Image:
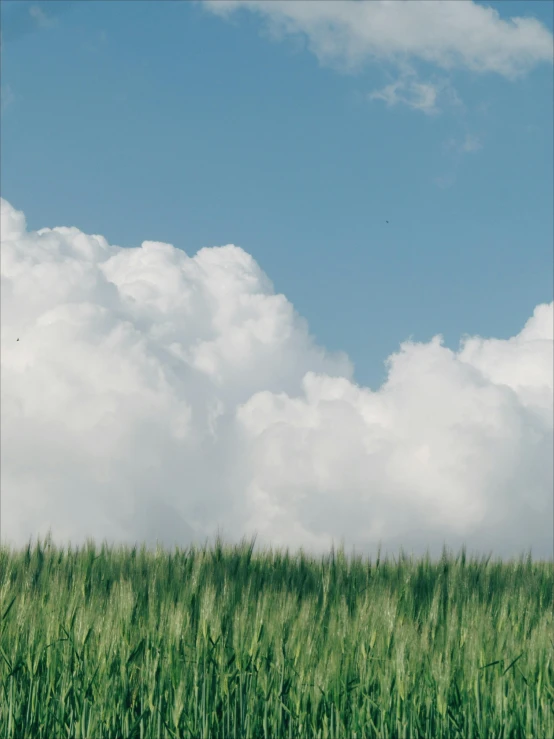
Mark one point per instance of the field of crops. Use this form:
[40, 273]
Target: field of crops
[225, 642]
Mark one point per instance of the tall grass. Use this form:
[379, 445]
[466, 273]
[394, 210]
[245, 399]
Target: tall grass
[223, 643]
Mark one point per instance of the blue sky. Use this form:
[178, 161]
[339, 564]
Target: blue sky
[164, 121]
[156, 387]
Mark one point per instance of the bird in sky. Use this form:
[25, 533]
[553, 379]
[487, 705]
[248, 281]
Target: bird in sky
[386, 221]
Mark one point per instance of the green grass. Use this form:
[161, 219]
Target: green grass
[223, 642]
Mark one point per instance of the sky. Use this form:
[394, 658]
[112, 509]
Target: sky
[280, 269]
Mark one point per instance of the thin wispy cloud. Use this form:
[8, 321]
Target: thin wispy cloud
[7, 97]
[23, 18]
[466, 145]
[471, 143]
[416, 95]
[456, 149]
[445, 181]
[40, 17]
[97, 43]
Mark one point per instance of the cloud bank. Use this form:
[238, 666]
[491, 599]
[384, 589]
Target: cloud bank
[453, 34]
[157, 396]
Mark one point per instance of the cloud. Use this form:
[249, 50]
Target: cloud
[40, 17]
[97, 43]
[153, 395]
[445, 181]
[455, 34]
[471, 143]
[22, 18]
[414, 94]
[408, 89]
[467, 145]
[457, 149]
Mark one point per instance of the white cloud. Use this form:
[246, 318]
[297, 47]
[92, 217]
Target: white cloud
[152, 394]
[414, 94]
[451, 34]
[408, 89]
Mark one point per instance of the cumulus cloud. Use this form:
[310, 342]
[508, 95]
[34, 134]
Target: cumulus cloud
[157, 396]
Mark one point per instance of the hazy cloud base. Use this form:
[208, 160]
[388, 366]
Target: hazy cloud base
[157, 396]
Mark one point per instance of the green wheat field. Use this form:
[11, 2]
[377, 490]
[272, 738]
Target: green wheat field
[226, 642]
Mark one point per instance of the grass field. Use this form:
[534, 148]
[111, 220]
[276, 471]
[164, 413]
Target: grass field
[222, 642]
